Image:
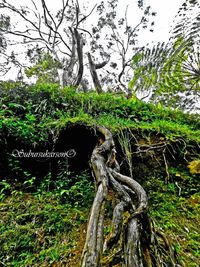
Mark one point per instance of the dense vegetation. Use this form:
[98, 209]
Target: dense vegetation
[44, 212]
[76, 164]
[27, 110]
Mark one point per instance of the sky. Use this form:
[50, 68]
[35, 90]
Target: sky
[165, 14]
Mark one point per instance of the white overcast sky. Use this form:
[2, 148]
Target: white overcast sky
[166, 11]
[165, 14]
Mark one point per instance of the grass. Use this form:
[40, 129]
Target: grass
[40, 230]
[43, 227]
[178, 217]
[32, 112]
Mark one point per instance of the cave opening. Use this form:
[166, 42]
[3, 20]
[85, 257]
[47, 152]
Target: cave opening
[78, 141]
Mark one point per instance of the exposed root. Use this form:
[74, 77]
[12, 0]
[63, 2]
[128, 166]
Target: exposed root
[133, 242]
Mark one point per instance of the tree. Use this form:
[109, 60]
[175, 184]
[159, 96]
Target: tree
[5, 59]
[187, 22]
[45, 69]
[170, 72]
[68, 36]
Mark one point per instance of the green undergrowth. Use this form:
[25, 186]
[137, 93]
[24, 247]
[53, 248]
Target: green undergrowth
[175, 209]
[38, 230]
[178, 218]
[43, 219]
[45, 228]
[33, 112]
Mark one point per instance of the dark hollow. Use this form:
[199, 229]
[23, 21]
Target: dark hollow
[82, 140]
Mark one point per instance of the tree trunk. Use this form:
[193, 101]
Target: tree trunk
[132, 242]
[79, 42]
[94, 75]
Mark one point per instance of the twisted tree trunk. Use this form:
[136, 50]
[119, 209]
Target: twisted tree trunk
[132, 241]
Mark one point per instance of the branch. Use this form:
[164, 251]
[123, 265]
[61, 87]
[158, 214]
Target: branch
[12, 8]
[94, 75]
[46, 12]
[63, 12]
[25, 36]
[86, 16]
[101, 65]
[79, 43]
[84, 30]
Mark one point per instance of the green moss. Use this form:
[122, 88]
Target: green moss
[43, 228]
[38, 230]
[31, 112]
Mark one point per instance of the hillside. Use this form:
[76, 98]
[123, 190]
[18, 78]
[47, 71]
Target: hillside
[45, 202]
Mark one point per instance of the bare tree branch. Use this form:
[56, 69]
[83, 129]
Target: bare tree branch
[94, 75]
[79, 43]
[86, 16]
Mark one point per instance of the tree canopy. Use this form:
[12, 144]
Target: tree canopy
[81, 45]
[169, 72]
[73, 40]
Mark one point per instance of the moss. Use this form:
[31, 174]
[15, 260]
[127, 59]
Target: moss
[46, 226]
[194, 167]
[36, 230]
[32, 112]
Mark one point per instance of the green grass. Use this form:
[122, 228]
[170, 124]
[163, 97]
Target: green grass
[45, 227]
[178, 217]
[40, 230]
[32, 112]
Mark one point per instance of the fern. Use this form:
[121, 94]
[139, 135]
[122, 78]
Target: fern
[187, 22]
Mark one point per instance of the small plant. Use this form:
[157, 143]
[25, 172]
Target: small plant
[194, 167]
[5, 187]
[77, 190]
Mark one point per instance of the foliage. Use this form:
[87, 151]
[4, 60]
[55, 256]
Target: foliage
[46, 69]
[34, 112]
[194, 166]
[44, 229]
[76, 190]
[186, 23]
[43, 221]
[39, 230]
[67, 35]
[174, 207]
[169, 72]
[178, 218]
[4, 24]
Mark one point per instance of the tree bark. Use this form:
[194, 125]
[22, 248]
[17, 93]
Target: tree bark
[79, 42]
[76, 58]
[94, 75]
[132, 242]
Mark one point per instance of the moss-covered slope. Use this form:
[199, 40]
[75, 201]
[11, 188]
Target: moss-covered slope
[45, 203]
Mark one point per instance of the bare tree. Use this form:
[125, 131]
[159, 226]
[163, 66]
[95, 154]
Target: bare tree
[50, 34]
[67, 38]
